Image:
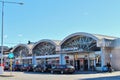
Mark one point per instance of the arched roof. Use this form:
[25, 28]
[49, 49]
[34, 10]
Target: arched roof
[77, 34]
[19, 45]
[54, 42]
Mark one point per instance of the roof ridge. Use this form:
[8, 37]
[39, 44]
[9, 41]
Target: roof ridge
[105, 35]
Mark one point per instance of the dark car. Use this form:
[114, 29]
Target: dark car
[30, 67]
[37, 68]
[46, 67]
[63, 69]
[16, 67]
[24, 67]
[6, 67]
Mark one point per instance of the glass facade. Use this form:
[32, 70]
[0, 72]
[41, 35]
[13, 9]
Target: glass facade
[45, 49]
[21, 53]
[82, 49]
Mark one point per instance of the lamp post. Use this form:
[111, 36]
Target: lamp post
[2, 27]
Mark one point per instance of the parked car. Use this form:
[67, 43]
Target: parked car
[37, 68]
[30, 67]
[16, 67]
[63, 69]
[24, 67]
[6, 67]
[46, 67]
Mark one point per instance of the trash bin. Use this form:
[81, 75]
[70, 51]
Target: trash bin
[105, 68]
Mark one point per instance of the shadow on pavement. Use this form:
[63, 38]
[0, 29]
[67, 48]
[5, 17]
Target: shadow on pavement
[86, 72]
[36, 72]
[46, 73]
[6, 75]
[76, 73]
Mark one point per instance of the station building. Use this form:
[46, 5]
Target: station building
[84, 51]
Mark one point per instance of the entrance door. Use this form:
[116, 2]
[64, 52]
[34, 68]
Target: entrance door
[81, 64]
[77, 64]
[85, 64]
[92, 64]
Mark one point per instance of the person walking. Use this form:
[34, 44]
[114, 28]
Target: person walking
[109, 67]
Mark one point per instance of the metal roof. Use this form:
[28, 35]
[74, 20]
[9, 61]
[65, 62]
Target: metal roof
[104, 36]
[57, 42]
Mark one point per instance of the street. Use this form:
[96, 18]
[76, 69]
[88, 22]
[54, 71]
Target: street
[48, 76]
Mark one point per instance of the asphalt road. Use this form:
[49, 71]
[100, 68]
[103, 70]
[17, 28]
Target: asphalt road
[48, 76]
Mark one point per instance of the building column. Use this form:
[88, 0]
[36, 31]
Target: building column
[88, 63]
[94, 63]
[45, 60]
[34, 59]
[102, 57]
[62, 59]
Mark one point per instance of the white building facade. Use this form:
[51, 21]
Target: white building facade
[84, 51]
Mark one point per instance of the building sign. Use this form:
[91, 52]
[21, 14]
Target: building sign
[76, 56]
[70, 49]
[10, 55]
[81, 61]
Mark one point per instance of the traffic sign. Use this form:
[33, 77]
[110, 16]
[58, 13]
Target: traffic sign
[10, 55]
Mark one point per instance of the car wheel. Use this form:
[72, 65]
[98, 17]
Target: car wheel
[52, 71]
[61, 72]
[21, 70]
[13, 69]
[27, 70]
[42, 71]
[34, 70]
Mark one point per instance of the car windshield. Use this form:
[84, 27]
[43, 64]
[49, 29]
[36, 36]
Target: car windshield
[70, 66]
[17, 65]
[25, 65]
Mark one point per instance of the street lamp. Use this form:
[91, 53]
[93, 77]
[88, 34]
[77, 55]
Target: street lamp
[3, 2]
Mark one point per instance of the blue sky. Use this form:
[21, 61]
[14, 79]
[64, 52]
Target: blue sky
[56, 19]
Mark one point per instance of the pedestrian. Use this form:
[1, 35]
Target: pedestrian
[109, 67]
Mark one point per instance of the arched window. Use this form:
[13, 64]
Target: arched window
[21, 51]
[44, 48]
[80, 43]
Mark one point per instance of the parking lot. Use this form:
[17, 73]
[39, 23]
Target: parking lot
[48, 76]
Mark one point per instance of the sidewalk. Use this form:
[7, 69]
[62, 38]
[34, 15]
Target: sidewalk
[86, 72]
[7, 74]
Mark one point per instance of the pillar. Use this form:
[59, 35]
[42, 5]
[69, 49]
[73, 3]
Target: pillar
[88, 63]
[34, 59]
[94, 63]
[102, 57]
[62, 59]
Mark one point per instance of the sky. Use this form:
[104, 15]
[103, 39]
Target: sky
[56, 19]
